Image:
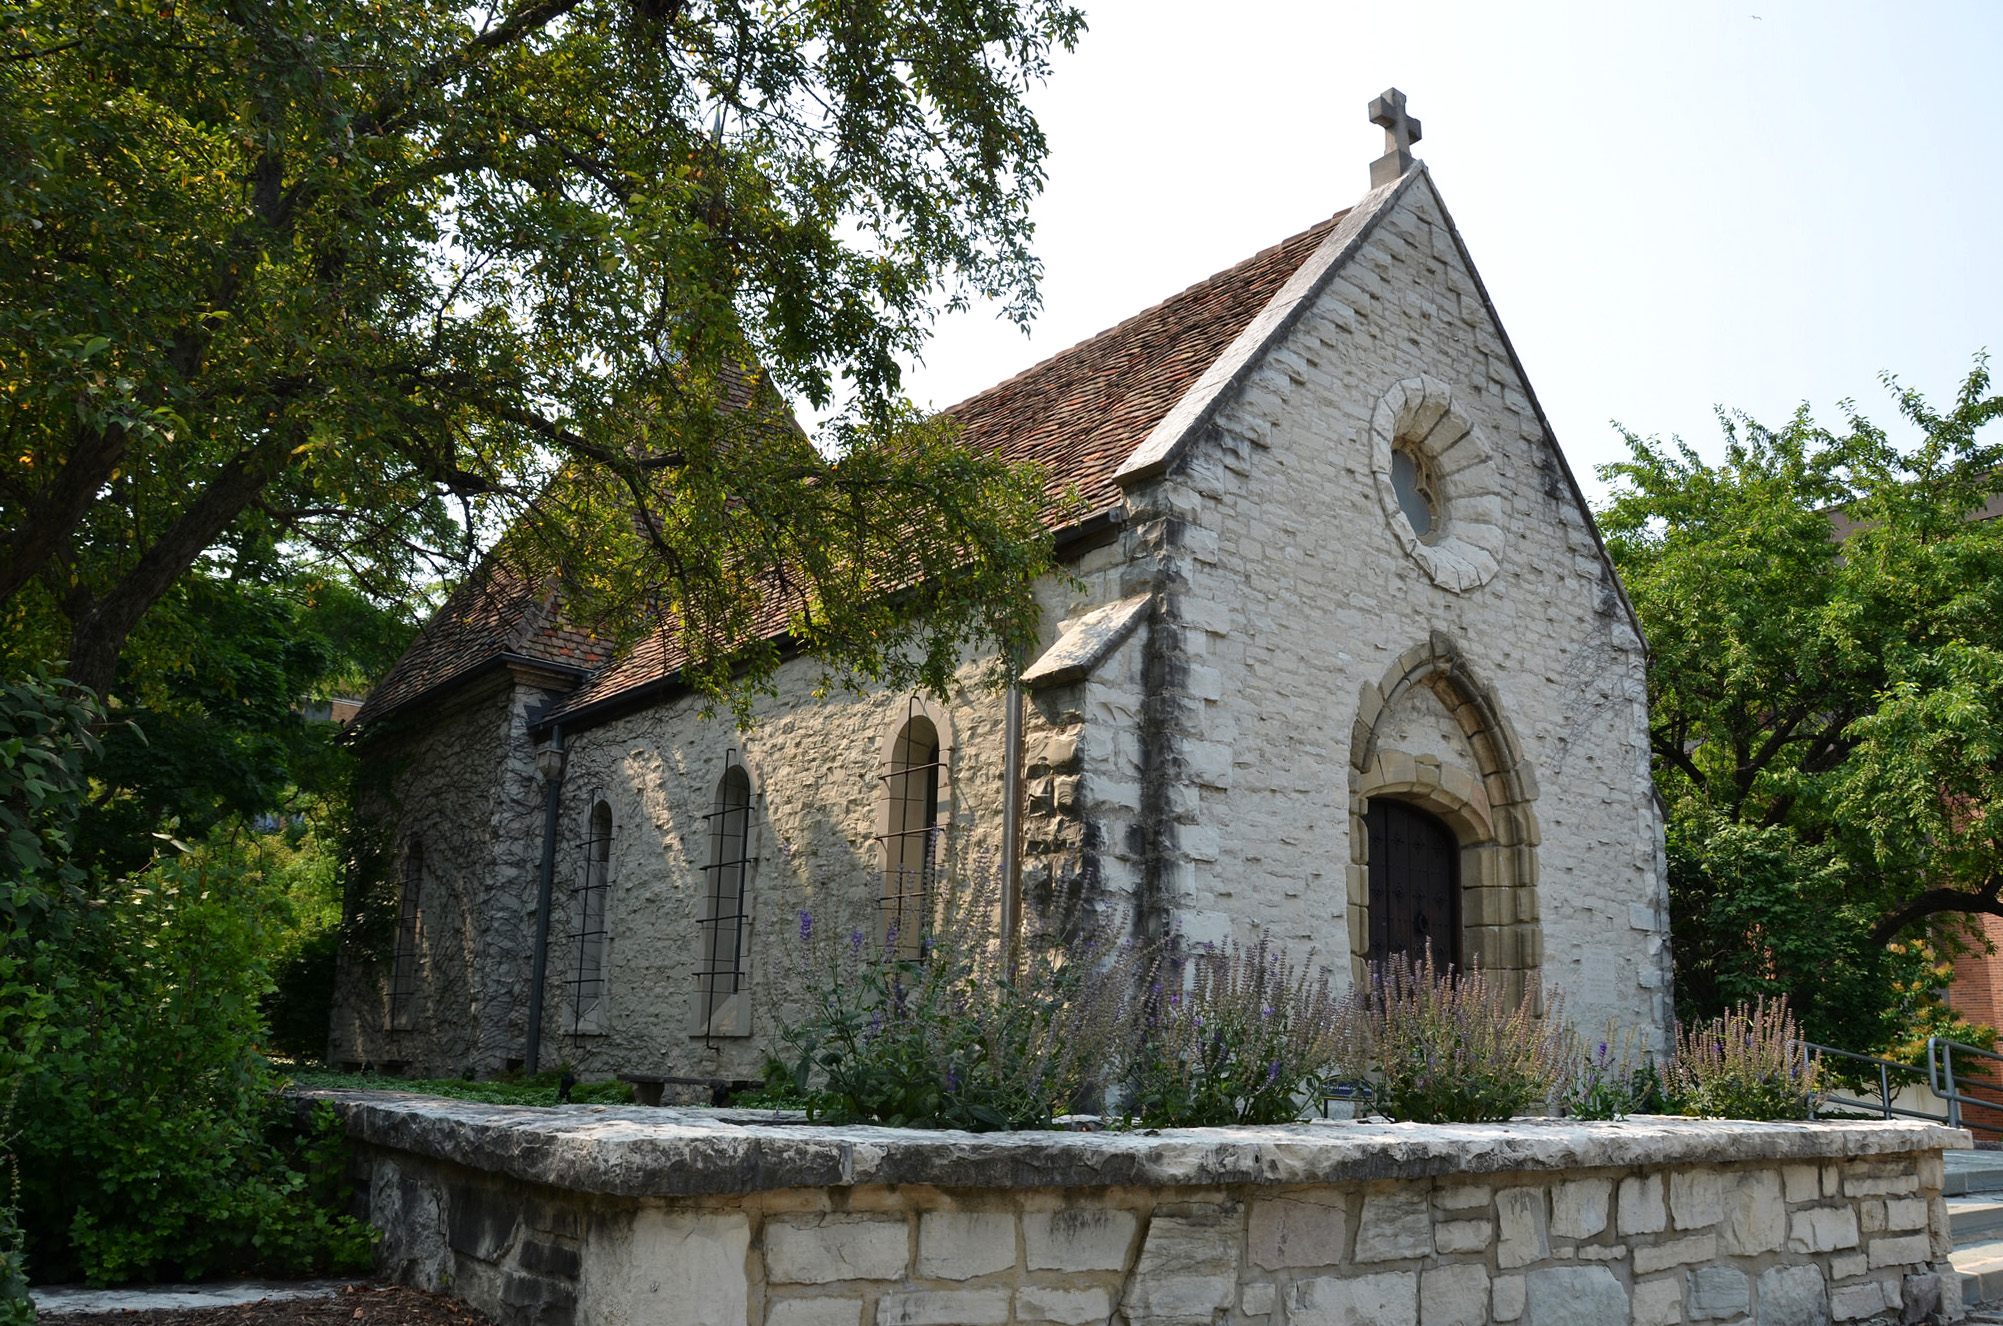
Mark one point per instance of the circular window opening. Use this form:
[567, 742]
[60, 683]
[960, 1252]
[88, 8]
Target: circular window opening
[1417, 491]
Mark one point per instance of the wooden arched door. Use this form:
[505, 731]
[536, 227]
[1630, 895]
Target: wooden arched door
[1415, 889]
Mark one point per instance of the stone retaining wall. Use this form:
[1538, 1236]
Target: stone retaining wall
[715, 1218]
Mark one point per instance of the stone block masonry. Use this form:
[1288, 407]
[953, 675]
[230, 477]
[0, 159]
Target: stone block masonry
[617, 1217]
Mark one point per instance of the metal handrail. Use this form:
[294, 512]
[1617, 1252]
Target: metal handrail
[1940, 1076]
[1885, 1067]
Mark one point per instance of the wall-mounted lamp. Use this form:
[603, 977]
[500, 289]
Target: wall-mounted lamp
[549, 760]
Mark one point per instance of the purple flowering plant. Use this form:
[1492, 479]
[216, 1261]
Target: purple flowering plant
[962, 1030]
[1447, 1045]
[1237, 1034]
[1750, 1063]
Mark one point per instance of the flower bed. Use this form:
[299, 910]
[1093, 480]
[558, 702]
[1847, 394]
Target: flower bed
[611, 1215]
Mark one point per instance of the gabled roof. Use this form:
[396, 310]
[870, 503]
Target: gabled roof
[1084, 413]
[495, 616]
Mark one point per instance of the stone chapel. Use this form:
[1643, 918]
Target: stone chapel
[1340, 659]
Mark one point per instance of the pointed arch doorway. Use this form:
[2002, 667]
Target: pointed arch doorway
[1415, 886]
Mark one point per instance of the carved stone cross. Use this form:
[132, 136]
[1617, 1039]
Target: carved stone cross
[1400, 132]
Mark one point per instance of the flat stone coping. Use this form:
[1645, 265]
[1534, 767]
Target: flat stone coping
[660, 1151]
[79, 1300]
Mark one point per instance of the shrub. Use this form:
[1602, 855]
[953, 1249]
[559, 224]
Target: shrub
[1448, 1047]
[956, 1036]
[1749, 1063]
[1613, 1077]
[1237, 1036]
[150, 1139]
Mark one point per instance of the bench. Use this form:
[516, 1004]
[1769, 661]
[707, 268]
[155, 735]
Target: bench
[647, 1087]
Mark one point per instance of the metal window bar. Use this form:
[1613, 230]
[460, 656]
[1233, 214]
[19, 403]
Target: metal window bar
[403, 962]
[721, 973]
[1886, 1071]
[911, 851]
[587, 986]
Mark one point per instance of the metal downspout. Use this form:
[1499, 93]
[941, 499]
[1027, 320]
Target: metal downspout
[545, 886]
[1011, 853]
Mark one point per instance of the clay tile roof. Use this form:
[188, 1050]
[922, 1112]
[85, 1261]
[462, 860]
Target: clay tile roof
[495, 613]
[1080, 413]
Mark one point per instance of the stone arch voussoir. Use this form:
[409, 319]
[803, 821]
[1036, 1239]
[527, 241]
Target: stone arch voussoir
[1489, 808]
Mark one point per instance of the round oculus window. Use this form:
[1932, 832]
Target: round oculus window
[1418, 495]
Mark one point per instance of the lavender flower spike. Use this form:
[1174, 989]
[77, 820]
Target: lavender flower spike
[806, 925]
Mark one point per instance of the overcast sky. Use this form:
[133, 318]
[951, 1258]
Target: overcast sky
[1674, 206]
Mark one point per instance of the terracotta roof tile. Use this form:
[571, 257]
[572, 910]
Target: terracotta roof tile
[1079, 413]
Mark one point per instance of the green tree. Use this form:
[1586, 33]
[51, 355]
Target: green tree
[349, 284]
[1824, 611]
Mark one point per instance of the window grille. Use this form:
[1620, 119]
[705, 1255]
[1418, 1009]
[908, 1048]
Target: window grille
[722, 981]
[912, 836]
[403, 964]
[587, 987]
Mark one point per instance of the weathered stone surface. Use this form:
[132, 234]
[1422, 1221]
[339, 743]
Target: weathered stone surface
[1461, 1197]
[1078, 1239]
[1822, 1229]
[1696, 1198]
[1804, 1182]
[832, 1310]
[1872, 1182]
[1396, 1223]
[943, 1307]
[1258, 1298]
[1520, 1237]
[1453, 1296]
[1850, 1302]
[1898, 1250]
[1579, 1207]
[1755, 1214]
[1658, 1302]
[1921, 1298]
[1642, 1210]
[1718, 1291]
[684, 1265]
[1065, 1307]
[1188, 1268]
[1793, 1296]
[1903, 1213]
[1463, 1236]
[1573, 1296]
[1386, 1299]
[822, 1249]
[1296, 1231]
[1506, 1297]
[1675, 1252]
[664, 1152]
[960, 1245]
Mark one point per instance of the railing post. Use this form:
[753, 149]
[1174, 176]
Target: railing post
[1885, 1090]
[1953, 1092]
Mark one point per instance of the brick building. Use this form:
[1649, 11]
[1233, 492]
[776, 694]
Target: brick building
[1339, 658]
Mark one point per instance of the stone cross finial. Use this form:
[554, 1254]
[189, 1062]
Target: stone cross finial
[1400, 132]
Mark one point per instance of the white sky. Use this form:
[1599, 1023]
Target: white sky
[1674, 206]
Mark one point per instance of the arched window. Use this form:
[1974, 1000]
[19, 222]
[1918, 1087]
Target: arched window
[912, 831]
[723, 1006]
[403, 965]
[587, 1002]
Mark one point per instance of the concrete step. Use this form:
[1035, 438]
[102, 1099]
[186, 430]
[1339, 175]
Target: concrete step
[1971, 1172]
[1980, 1266]
[1975, 1219]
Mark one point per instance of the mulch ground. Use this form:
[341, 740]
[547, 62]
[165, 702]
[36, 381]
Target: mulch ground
[370, 1305]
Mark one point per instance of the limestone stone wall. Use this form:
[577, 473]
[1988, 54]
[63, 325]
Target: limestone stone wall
[726, 1221]
[461, 782]
[816, 767]
[1317, 652]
